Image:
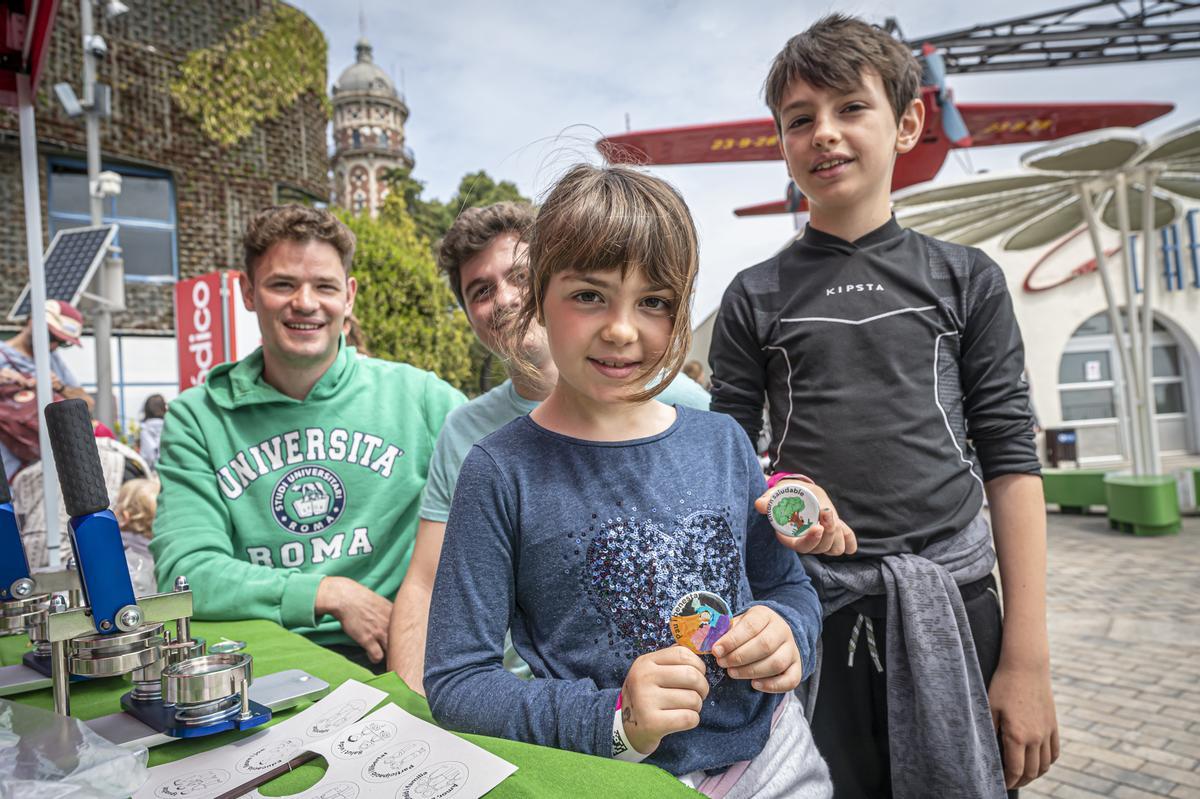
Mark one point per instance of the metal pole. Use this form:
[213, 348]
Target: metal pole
[1114, 316]
[102, 316]
[1153, 466]
[37, 307]
[1135, 333]
[61, 677]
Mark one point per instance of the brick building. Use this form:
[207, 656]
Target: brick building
[193, 171]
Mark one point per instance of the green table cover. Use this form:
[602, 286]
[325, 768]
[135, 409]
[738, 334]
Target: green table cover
[542, 772]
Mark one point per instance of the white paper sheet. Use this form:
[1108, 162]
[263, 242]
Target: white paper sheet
[396, 755]
[220, 771]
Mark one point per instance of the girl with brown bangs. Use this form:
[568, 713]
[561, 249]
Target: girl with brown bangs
[595, 524]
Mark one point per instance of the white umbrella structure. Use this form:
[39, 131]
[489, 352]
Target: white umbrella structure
[1097, 179]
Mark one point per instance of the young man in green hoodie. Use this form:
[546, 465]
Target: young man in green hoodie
[291, 478]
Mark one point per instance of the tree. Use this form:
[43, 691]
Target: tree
[404, 306]
[433, 217]
[477, 189]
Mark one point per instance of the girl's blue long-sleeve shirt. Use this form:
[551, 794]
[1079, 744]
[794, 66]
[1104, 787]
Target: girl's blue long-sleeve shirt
[583, 547]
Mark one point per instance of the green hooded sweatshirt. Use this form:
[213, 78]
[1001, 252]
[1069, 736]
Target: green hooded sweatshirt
[263, 495]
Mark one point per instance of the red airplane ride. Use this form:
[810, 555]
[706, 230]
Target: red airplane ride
[1055, 38]
[988, 124]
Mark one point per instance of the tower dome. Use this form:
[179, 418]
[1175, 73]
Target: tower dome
[368, 132]
[364, 75]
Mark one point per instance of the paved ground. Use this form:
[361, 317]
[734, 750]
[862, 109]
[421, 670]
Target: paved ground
[1124, 617]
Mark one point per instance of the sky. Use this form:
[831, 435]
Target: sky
[524, 90]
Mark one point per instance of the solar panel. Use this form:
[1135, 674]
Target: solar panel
[73, 257]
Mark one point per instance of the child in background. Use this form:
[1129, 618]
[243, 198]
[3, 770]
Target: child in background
[137, 502]
[891, 365]
[582, 524]
[154, 413]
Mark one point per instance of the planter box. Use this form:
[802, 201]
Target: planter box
[1074, 490]
[1147, 505]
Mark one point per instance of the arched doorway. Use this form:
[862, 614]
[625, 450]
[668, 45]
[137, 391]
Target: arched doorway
[1089, 375]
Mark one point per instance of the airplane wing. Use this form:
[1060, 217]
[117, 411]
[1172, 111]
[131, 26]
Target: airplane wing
[1018, 123]
[766, 209]
[747, 140]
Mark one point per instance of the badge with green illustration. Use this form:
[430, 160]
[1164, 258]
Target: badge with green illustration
[793, 509]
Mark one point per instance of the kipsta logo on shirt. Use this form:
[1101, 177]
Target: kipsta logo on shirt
[308, 499]
[851, 288]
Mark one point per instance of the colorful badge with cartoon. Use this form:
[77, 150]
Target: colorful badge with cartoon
[793, 509]
[699, 619]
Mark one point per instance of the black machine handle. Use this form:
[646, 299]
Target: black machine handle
[69, 426]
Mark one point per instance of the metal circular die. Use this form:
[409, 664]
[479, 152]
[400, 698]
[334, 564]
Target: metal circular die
[206, 679]
[170, 652]
[22, 588]
[120, 653]
[207, 712]
[226, 647]
[18, 614]
[179, 651]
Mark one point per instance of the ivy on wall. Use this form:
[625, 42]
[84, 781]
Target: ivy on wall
[262, 67]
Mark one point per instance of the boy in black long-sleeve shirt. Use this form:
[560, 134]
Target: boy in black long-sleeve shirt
[891, 366]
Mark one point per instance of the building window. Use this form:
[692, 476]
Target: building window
[1085, 386]
[1167, 378]
[383, 139]
[355, 139]
[1089, 382]
[144, 210]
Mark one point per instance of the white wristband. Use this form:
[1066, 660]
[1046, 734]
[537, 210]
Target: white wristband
[622, 749]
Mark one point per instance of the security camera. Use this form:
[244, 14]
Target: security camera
[96, 45]
[108, 184]
[114, 8]
[66, 96]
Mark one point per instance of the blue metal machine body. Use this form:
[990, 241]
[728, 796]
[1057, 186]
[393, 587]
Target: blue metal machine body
[156, 715]
[13, 563]
[103, 572]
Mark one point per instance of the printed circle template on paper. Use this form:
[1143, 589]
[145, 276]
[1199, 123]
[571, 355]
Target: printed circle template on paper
[699, 619]
[396, 760]
[360, 739]
[270, 756]
[334, 790]
[439, 781]
[337, 719]
[793, 509]
[196, 782]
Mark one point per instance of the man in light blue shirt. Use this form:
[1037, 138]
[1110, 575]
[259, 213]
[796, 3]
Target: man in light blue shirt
[478, 255]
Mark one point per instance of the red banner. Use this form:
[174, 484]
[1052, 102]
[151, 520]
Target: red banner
[202, 324]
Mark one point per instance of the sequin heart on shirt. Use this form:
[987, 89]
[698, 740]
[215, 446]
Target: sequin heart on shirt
[637, 570]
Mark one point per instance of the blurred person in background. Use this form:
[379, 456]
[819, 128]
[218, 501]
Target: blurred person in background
[137, 503]
[18, 383]
[153, 414]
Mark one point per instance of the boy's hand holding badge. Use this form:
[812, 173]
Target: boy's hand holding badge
[804, 518]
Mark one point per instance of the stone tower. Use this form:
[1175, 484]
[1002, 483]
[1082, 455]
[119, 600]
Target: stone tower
[368, 133]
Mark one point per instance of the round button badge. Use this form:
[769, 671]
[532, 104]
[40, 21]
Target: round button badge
[793, 509]
[699, 619]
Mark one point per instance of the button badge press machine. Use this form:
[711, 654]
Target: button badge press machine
[100, 629]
